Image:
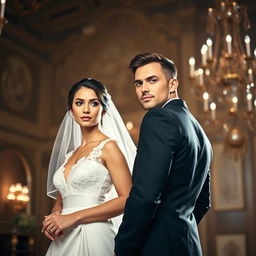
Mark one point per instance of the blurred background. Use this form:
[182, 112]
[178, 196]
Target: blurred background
[48, 45]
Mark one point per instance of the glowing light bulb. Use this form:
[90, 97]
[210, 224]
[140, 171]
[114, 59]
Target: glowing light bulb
[192, 66]
[249, 102]
[12, 188]
[229, 46]
[235, 101]
[129, 125]
[18, 187]
[25, 190]
[213, 110]
[206, 101]
[200, 73]
[247, 45]
[2, 8]
[209, 44]
[11, 196]
[203, 52]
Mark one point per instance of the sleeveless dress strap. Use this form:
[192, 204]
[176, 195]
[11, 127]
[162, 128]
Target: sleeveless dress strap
[97, 151]
[102, 144]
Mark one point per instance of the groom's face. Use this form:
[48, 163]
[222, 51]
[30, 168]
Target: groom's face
[152, 87]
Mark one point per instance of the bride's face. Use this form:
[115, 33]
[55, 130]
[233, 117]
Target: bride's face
[86, 107]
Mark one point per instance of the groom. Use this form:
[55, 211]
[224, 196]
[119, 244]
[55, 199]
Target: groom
[170, 192]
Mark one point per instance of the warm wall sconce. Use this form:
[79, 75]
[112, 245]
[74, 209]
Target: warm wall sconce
[18, 196]
[129, 126]
[133, 130]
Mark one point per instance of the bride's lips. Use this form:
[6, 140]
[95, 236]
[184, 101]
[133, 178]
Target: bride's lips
[86, 118]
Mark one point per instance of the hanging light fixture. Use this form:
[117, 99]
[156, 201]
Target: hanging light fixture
[225, 80]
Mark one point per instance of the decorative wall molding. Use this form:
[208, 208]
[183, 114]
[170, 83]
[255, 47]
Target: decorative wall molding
[16, 84]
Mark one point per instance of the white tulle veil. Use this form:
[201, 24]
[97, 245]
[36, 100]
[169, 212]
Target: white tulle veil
[69, 137]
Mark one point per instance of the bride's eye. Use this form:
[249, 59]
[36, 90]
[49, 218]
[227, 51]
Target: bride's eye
[78, 103]
[94, 103]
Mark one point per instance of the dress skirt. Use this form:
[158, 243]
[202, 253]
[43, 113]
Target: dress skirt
[93, 239]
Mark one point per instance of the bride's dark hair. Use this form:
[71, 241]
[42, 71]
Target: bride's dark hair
[93, 84]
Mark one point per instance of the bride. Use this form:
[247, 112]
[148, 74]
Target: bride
[89, 174]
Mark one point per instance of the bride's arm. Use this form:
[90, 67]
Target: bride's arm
[121, 178]
[57, 208]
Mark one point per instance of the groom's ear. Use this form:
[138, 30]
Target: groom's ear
[173, 85]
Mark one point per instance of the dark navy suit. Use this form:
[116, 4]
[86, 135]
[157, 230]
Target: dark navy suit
[171, 191]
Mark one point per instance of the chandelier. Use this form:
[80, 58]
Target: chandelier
[224, 83]
[18, 196]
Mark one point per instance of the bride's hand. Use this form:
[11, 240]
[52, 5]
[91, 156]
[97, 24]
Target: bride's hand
[50, 235]
[53, 213]
[56, 223]
[47, 231]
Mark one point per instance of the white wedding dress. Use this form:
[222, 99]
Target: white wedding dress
[88, 184]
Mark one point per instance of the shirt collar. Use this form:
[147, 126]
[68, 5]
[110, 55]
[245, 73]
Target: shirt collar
[169, 101]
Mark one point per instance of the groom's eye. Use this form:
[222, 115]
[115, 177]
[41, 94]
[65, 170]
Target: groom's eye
[138, 83]
[153, 80]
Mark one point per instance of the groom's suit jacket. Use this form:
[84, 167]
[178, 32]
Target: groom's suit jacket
[170, 192]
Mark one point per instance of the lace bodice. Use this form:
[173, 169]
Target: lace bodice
[88, 179]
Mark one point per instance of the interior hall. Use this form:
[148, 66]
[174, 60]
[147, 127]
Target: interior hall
[46, 46]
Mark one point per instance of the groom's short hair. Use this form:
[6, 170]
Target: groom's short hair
[167, 65]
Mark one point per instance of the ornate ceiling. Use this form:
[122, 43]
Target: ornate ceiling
[48, 22]
[51, 20]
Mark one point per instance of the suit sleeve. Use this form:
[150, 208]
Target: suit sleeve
[203, 202]
[159, 139]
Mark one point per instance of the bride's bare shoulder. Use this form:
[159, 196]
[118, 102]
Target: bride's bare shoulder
[111, 145]
[111, 150]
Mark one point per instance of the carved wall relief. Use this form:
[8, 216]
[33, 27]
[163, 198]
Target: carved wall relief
[16, 84]
[18, 90]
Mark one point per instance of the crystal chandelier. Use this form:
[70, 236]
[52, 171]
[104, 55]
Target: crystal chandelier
[224, 83]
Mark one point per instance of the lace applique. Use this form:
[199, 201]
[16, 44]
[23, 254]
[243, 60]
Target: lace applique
[97, 152]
